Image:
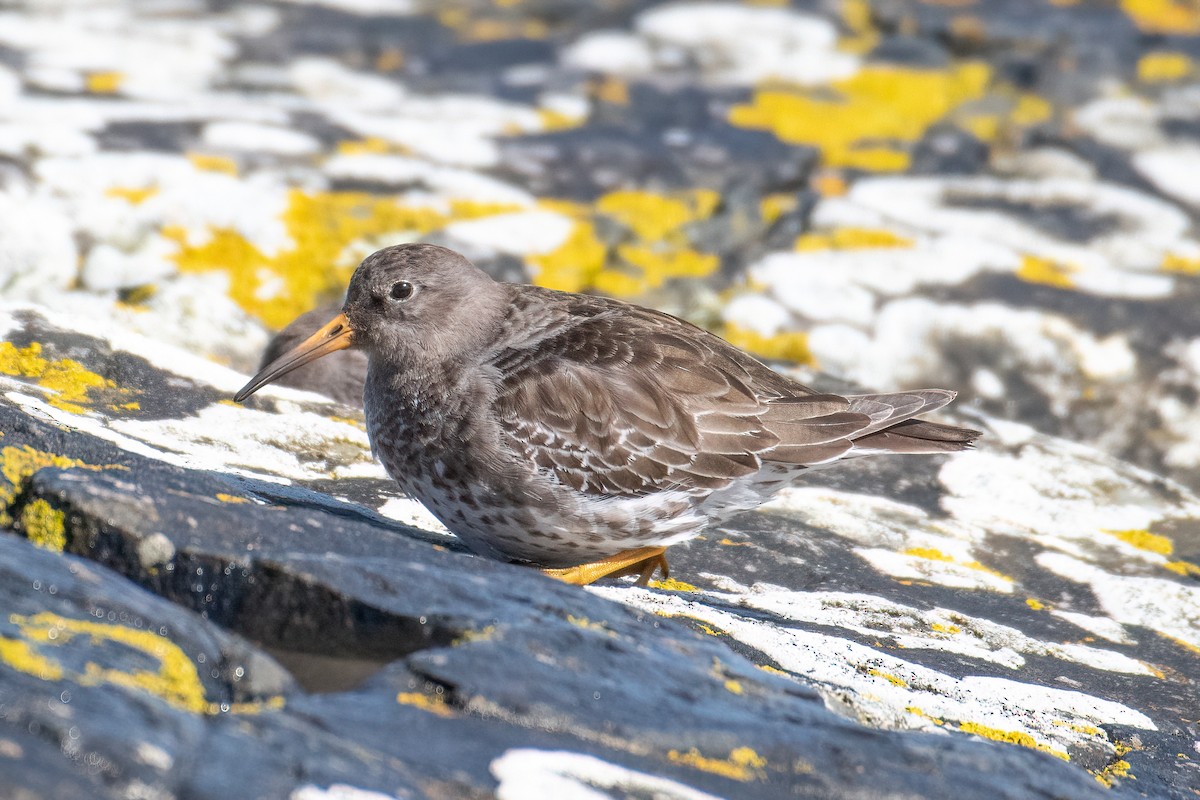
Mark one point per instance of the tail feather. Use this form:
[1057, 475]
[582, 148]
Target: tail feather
[814, 431]
[893, 429]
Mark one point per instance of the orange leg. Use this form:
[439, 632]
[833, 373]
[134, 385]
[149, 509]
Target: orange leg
[642, 561]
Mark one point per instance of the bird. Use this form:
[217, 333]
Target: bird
[577, 433]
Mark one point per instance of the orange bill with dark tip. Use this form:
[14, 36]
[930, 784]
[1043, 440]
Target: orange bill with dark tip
[333, 336]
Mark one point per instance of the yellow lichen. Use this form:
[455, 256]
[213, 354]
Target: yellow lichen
[895, 680]
[734, 687]
[1145, 540]
[44, 525]
[573, 265]
[1012, 737]
[611, 90]
[658, 250]
[24, 658]
[1044, 271]
[852, 239]
[770, 669]
[106, 82]
[773, 206]
[372, 145]
[389, 59]
[588, 625]
[210, 163]
[919, 712]
[652, 267]
[985, 127]
[1117, 769]
[829, 184]
[743, 764]
[653, 216]
[933, 554]
[1034, 603]
[928, 553]
[1172, 17]
[17, 464]
[231, 498]
[134, 195]
[873, 116]
[276, 703]
[1030, 109]
[70, 382]
[1163, 66]
[940, 628]
[279, 287]
[787, 346]
[1180, 264]
[434, 704]
[1186, 645]
[672, 585]
[554, 120]
[175, 682]
[481, 635]
[856, 16]
[1185, 568]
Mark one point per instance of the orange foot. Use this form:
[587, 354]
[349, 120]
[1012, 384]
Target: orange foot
[642, 561]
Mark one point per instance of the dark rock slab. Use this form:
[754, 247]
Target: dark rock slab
[478, 659]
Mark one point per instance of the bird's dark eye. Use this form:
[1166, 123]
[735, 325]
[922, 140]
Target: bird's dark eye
[401, 290]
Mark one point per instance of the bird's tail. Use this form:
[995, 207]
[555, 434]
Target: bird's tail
[893, 429]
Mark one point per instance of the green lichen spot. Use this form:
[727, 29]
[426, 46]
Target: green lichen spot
[44, 525]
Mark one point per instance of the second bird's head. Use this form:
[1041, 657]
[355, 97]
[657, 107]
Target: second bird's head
[406, 304]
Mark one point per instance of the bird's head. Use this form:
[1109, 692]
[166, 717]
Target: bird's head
[407, 304]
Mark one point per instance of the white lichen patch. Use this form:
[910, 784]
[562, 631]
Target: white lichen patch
[458, 130]
[298, 445]
[441, 182]
[526, 772]
[1168, 607]
[520, 234]
[914, 338]
[885, 691]
[741, 44]
[412, 512]
[1102, 627]
[1080, 509]
[336, 791]
[177, 193]
[911, 628]
[1120, 258]
[897, 539]
[256, 137]
[37, 251]
[116, 50]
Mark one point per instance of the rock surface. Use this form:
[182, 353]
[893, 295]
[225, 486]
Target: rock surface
[209, 600]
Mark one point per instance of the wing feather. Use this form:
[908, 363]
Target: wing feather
[614, 399]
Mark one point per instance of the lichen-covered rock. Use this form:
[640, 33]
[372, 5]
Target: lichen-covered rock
[1052, 613]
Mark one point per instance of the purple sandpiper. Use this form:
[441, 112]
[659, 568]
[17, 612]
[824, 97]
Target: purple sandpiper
[578, 433]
